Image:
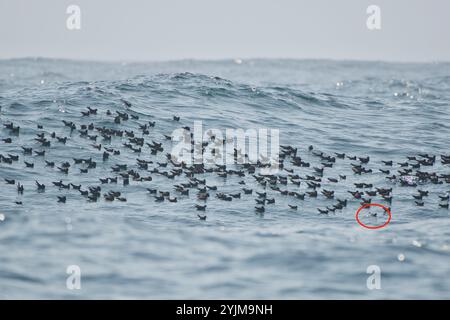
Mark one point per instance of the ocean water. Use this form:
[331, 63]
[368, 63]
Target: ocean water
[145, 249]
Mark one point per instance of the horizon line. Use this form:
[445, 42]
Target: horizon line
[243, 59]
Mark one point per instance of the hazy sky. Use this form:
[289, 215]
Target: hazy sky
[411, 30]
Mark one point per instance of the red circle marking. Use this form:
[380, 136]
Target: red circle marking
[367, 205]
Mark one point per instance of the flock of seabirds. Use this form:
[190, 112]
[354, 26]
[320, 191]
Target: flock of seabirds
[189, 180]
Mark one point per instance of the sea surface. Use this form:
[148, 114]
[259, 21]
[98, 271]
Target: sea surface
[142, 249]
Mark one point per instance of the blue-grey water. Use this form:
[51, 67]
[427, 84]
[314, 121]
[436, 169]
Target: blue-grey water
[145, 249]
